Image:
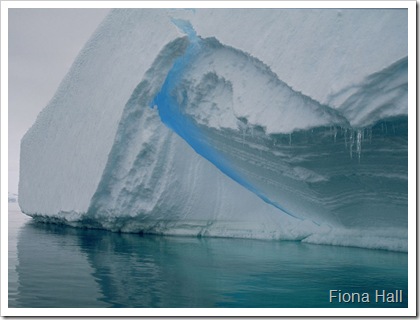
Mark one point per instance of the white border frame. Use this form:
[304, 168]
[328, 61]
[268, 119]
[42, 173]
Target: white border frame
[249, 312]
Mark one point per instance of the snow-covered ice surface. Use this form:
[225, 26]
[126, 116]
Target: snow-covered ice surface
[272, 124]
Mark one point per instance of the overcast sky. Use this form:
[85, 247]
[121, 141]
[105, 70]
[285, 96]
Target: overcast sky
[43, 43]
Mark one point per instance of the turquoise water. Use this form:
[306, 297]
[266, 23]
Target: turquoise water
[58, 266]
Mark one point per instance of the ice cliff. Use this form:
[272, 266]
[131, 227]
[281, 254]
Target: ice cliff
[274, 124]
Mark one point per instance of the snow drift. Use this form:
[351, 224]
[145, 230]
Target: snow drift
[283, 124]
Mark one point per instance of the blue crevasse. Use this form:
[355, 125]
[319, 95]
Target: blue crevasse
[173, 117]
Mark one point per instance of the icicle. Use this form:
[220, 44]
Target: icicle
[335, 134]
[351, 144]
[359, 142]
[345, 138]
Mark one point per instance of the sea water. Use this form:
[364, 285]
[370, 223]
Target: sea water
[55, 266]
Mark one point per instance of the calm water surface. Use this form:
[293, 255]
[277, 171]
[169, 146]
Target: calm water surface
[58, 266]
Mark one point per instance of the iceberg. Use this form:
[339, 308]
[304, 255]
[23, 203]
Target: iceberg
[12, 197]
[284, 124]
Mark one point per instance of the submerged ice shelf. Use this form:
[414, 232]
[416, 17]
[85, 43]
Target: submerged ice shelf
[213, 142]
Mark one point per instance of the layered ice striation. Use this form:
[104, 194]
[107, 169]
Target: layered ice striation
[185, 130]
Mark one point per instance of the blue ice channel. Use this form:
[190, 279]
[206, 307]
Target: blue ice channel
[172, 116]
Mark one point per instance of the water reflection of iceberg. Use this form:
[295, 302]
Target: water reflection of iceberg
[60, 266]
[52, 269]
